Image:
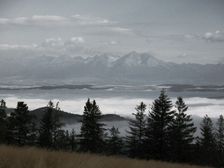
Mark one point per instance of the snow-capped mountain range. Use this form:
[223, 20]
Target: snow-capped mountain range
[133, 67]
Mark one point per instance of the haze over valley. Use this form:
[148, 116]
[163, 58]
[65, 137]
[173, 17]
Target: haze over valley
[116, 53]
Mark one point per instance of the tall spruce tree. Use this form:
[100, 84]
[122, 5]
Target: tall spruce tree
[182, 132]
[73, 142]
[207, 141]
[158, 127]
[49, 127]
[62, 140]
[219, 135]
[114, 142]
[20, 125]
[136, 134]
[3, 123]
[46, 127]
[91, 129]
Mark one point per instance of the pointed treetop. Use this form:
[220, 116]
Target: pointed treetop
[50, 104]
[2, 104]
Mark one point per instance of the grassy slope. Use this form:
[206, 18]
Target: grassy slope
[14, 157]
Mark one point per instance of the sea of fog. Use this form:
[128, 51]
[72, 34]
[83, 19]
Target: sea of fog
[115, 99]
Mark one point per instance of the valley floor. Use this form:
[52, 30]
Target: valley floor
[29, 157]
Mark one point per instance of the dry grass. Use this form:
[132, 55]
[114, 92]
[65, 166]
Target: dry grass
[14, 157]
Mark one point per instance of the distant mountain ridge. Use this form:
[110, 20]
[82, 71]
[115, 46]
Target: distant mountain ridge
[132, 67]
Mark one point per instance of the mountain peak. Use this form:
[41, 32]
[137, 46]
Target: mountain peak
[140, 59]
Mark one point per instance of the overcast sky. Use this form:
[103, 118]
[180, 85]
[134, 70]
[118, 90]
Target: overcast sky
[172, 30]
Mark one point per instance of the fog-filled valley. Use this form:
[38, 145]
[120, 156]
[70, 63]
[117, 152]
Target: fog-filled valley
[118, 100]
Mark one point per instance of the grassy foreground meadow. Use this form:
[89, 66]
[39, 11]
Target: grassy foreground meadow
[29, 157]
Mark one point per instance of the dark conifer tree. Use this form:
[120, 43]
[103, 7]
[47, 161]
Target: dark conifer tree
[219, 135]
[136, 134]
[67, 140]
[207, 141]
[73, 142]
[57, 124]
[114, 142]
[182, 132]
[91, 129]
[46, 127]
[2, 104]
[158, 129]
[3, 123]
[196, 151]
[63, 140]
[34, 132]
[49, 127]
[20, 125]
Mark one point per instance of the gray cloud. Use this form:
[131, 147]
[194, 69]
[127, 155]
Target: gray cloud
[217, 36]
[16, 46]
[75, 46]
[166, 29]
[35, 20]
[90, 20]
[51, 20]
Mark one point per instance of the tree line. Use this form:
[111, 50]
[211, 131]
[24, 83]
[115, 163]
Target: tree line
[166, 132]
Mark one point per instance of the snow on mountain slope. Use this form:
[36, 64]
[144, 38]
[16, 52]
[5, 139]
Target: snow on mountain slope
[102, 60]
[131, 67]
[135, 59]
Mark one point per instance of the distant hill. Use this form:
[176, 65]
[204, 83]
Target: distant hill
[70, 118]
[64, 116]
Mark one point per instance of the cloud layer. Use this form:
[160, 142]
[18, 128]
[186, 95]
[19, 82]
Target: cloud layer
[52, 20]
[217, 36]
[74, 46]
[197, 106]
